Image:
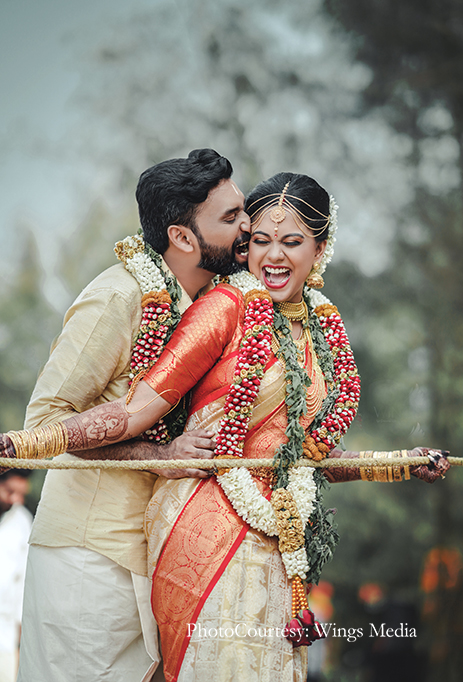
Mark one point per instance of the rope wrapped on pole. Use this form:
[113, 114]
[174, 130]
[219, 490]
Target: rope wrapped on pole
[144, 465]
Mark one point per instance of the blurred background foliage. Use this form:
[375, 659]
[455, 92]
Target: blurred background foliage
[368, 98]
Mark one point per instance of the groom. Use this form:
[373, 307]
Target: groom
[86, 608]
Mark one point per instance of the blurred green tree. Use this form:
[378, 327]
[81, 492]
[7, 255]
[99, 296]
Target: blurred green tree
[415, 50]
[28, 323]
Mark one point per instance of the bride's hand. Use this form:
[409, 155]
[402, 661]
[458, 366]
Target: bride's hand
[437, 467]
[6, 449]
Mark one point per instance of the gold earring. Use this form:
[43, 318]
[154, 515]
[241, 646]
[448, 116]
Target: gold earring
[314, 280]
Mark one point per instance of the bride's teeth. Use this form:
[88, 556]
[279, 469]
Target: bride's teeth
[276, 271]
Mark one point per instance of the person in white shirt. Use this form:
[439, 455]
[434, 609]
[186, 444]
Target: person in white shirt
[15, 526]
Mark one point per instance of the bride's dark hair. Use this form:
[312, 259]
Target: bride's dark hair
[310, 200]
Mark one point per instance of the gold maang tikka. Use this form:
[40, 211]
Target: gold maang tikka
[278, 213]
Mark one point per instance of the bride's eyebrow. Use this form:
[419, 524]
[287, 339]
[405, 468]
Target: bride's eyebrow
[265, 234]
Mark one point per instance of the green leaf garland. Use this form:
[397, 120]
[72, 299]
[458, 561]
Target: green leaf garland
[321, 535]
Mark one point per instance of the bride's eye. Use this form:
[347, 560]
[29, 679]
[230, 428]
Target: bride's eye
[260, 241]
[296, 242]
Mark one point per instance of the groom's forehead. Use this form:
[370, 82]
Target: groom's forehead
[222, 200]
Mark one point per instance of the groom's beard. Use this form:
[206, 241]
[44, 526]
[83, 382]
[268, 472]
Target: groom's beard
[219, 259]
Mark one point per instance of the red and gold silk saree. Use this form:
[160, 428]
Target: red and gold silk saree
[220, 593]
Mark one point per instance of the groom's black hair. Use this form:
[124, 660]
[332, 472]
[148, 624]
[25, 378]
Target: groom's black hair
[170, 192]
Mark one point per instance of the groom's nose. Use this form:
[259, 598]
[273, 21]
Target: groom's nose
[245, 223]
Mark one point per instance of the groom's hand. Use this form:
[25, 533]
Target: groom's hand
[197, 444]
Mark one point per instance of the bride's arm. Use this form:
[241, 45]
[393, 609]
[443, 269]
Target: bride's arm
[115, 421]
[198, 342]
[437, 466]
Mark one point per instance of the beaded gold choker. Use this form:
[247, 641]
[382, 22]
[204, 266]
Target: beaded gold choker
[294, 311]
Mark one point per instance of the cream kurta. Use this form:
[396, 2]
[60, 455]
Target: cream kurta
[101, 510]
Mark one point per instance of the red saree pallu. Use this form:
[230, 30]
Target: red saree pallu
[202, 542]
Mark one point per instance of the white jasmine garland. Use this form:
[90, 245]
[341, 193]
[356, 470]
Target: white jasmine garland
[303, 489]
[296, 563]
[148, 275]
[245, 281]
[248, 502]
[316, 297]
[333, 226]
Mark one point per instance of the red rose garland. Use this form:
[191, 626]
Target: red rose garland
[253, 356]
[325, 437]
[148, 346]
[160, 295]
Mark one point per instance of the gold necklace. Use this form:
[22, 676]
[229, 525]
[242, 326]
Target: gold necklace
[294, 312]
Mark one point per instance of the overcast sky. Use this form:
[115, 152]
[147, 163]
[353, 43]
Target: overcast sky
[38, 77]
[48, 170]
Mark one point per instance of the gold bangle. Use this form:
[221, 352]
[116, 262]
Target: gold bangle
[380, 472]
[390, 473]
[390, 476]
[406, 468]
[368, 469]
[45, 441]
[21, 442]
[397, 473]
[396, 467]
[363, 475]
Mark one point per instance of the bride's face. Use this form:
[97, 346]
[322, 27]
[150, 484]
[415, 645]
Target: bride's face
[283, 261]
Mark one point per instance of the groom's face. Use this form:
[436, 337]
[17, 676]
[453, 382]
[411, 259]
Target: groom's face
[222, 228]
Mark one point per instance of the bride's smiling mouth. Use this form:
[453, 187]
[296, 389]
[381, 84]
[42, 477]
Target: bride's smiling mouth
[275, 277]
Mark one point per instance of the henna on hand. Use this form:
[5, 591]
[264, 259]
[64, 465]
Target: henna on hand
[103, 425]
[6, 449]
[342, 474]
[437, 467]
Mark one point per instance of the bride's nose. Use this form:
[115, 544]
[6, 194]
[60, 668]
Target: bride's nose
[275, 252]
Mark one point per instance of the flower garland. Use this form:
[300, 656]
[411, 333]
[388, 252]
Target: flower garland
[330, 426]
[298, 491]
[333, 228]
[254, 353]
[295, 513]
[160, 316]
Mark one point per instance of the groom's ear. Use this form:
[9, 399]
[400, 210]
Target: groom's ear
[181, 238]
